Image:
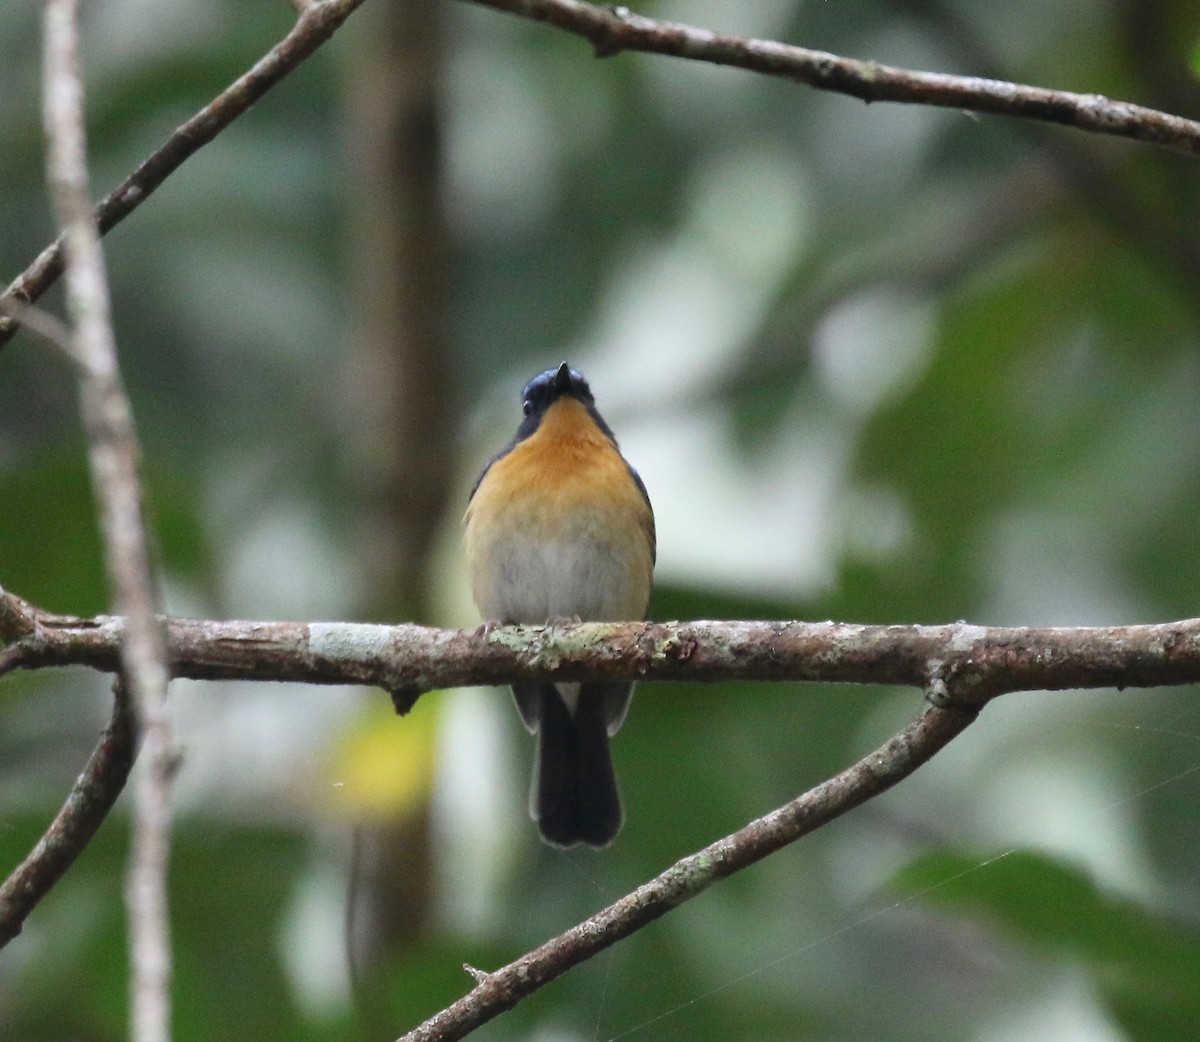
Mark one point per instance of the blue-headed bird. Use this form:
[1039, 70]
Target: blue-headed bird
[559, 528]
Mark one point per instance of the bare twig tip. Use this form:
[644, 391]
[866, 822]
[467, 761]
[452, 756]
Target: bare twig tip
[17, 618]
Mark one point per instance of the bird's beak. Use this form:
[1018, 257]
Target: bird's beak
[562, 379]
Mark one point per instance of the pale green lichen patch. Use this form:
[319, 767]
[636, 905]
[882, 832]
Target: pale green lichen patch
[964, 636]
[514, 638]
[354, 641]
[692, 875]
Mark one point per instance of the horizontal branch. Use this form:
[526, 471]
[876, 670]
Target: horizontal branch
[317, 22]
[612, 29]
[961, 666]
[969, 662]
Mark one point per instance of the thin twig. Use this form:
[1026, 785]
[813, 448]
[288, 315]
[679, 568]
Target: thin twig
[407, 659]
[612, 29]
[91, 798]
[113, 457]
[318, 21]
[48, 326]
[893, 761]
[1151, 225]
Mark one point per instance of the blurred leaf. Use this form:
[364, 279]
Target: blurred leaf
[176, 521]
[383, 768]
[1146, 966]
[229, 889]
[49, 547]
[49, 544]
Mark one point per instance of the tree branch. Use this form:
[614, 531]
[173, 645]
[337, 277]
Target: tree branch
[612, 29]
[18, 618]
[960, 666]
[114, 457]
[317, 22]
[91, 798]
[974, 662]
[932, 729]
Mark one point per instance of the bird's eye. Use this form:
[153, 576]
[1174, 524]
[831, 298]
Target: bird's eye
[528, 408]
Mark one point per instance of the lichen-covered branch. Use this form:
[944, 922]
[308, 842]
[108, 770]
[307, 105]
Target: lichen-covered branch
[959, 666]
[973, 662]
[612, 29]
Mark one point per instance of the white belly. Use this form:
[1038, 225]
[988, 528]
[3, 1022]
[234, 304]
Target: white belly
[586, 574]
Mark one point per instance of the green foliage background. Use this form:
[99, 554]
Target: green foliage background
[874, 363]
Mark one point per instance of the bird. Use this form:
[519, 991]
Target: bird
[559, 528]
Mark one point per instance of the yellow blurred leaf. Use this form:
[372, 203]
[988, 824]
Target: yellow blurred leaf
[382, 769]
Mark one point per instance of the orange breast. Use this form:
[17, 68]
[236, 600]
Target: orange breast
[558, 527]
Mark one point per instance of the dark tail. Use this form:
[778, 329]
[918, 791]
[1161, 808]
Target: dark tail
[574, 798]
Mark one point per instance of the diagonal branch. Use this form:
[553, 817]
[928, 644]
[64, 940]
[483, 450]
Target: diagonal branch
[896, 759]
[318, 21]
[977, 662]
[91, 798]
[611, 29]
